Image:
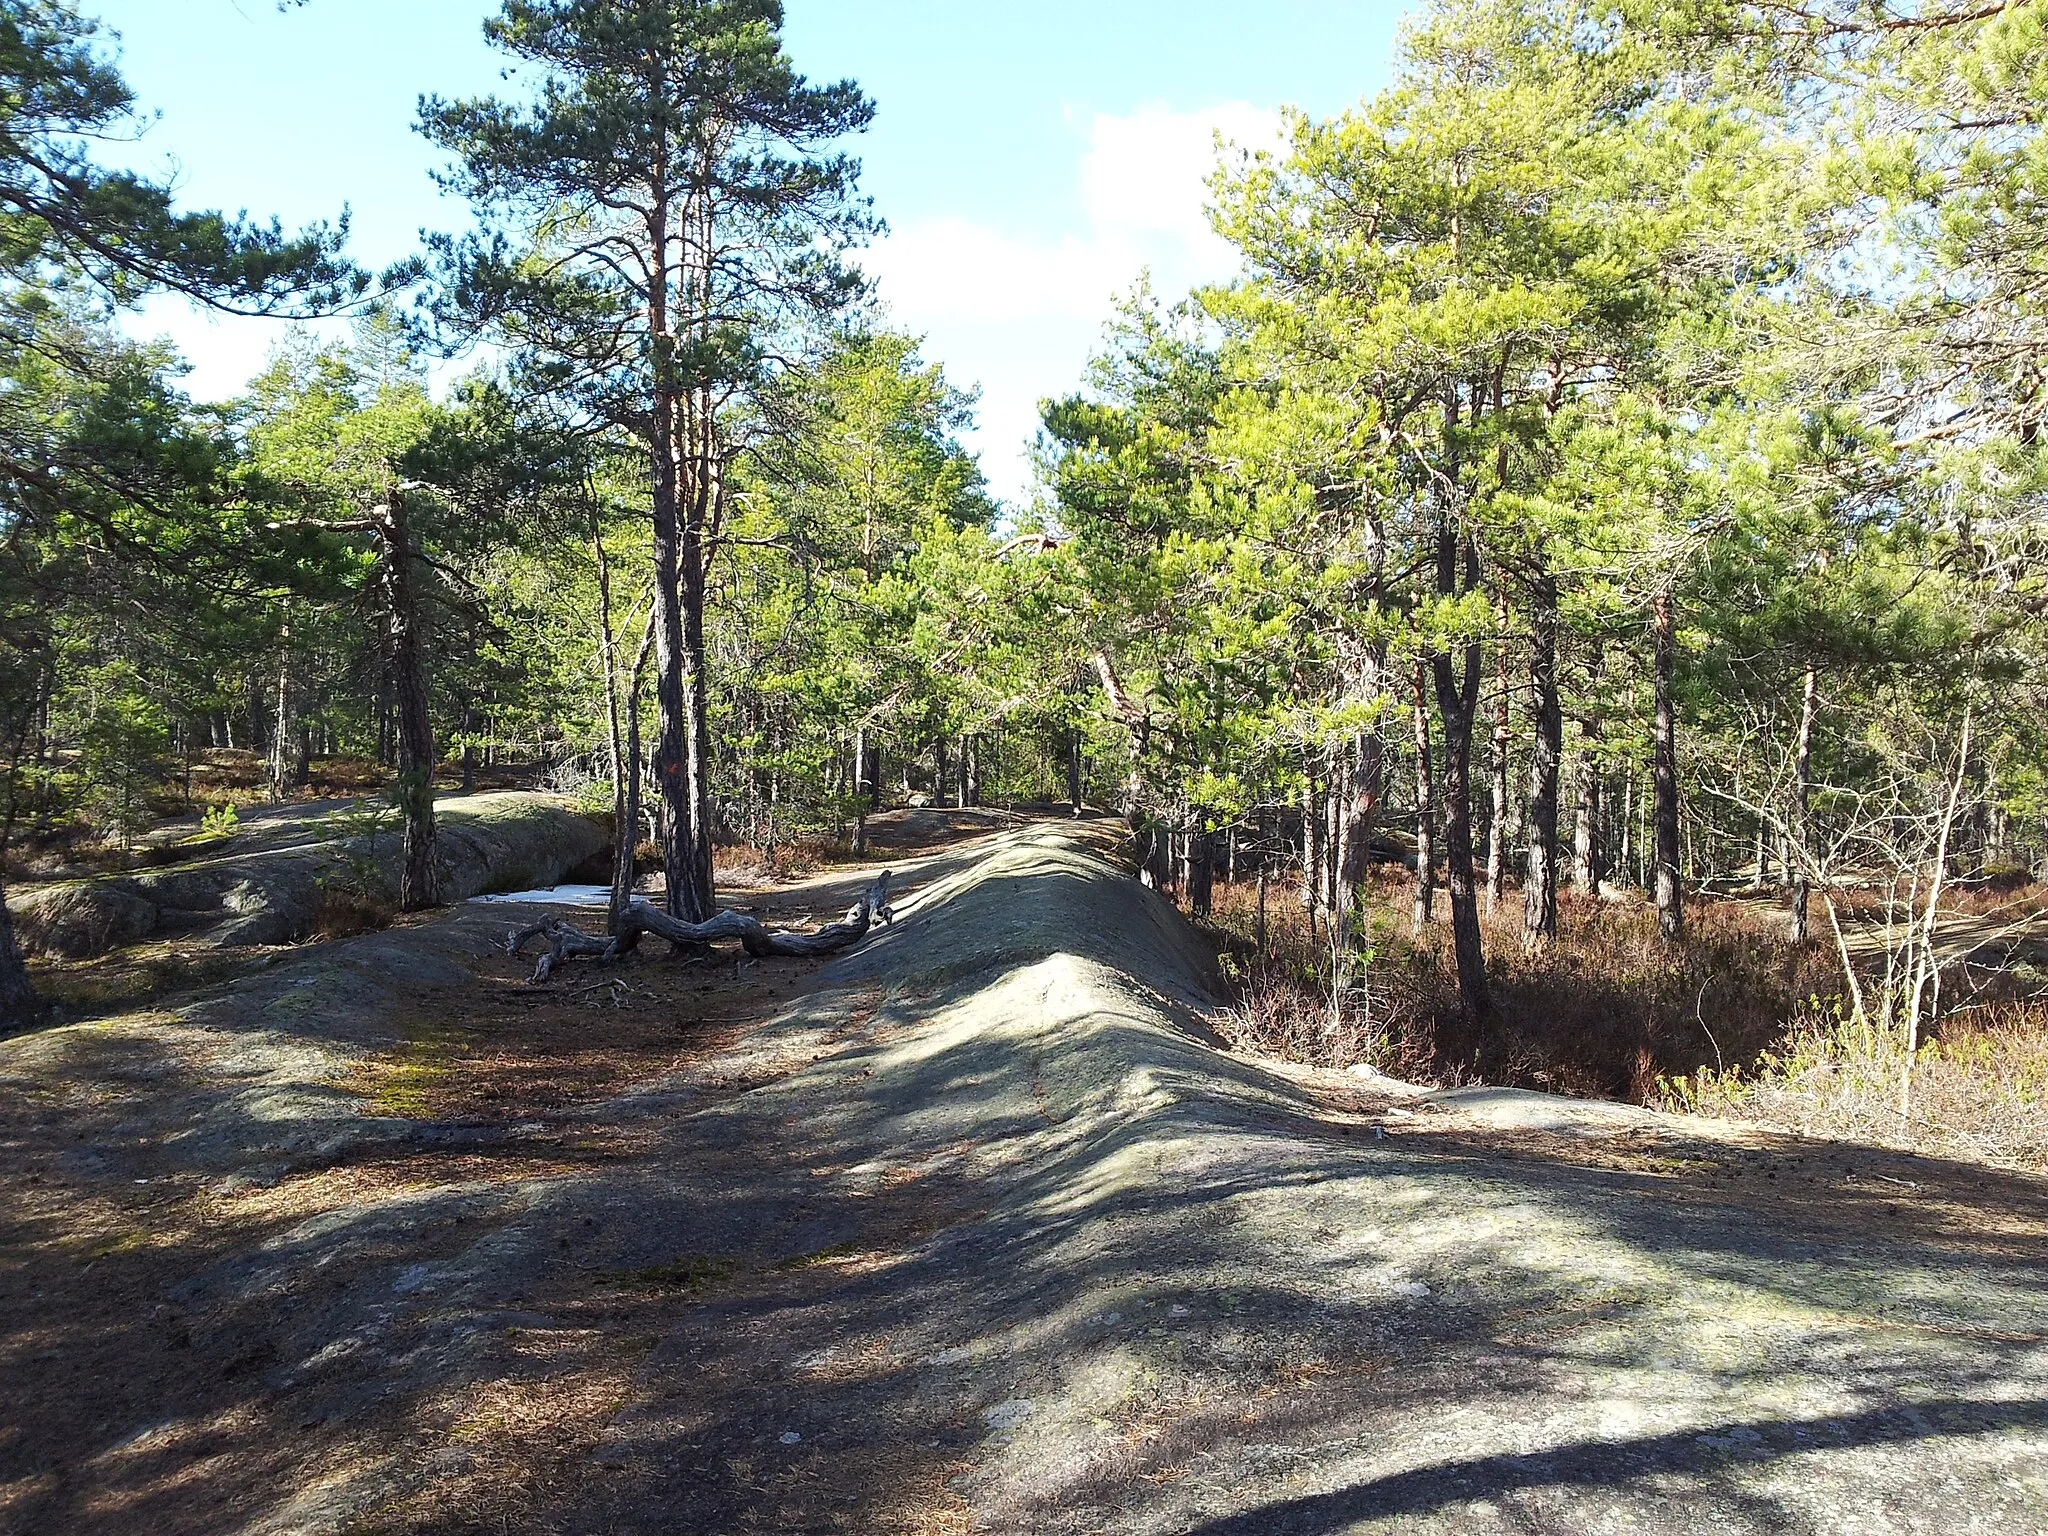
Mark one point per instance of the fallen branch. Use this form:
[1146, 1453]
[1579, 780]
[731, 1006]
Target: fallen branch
[566, 942]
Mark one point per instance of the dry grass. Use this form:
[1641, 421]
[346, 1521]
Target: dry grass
[1605, 1012]
[1736, 1022]
[1979, 1089]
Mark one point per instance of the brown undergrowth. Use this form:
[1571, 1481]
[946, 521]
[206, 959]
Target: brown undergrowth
[1604, 1012]
[1736, 1022]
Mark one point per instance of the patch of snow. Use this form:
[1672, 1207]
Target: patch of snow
[555, 896]
[789, 1437]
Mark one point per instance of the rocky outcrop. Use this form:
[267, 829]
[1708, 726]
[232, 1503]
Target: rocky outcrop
[495, 842]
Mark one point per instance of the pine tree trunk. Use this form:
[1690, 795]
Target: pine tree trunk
[1802, 798]
[1311, 836]
[1457, 695]
[860, 792]
[1539, 887]
[1457, 702]
[675, 670]
[417, 882]
[1333, 827]
[1497, 828]
[626, 796]
[1074, 770]
[1200, 881]
[1366, 790]
[469, 732]
[1425, 806]
[697, 689]
[1664, 772]
[280, 737]
[1589, 847]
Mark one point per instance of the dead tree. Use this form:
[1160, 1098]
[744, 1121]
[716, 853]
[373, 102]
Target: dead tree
[566, 942]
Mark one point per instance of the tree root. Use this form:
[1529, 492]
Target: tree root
[565, 942]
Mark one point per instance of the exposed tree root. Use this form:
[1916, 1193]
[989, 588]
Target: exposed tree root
[565, 942]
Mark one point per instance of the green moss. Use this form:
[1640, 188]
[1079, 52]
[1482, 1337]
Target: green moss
[684, 1273]
[402, 1085]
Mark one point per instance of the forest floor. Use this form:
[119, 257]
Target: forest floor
[975, 1228]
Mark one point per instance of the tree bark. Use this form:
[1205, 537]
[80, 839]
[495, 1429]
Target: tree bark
[1200, 878]
[1802, 796]
[567, 942]
[626, 798]
[418, 880]
[1669, 895]
[703, 823]
[1539, 887]
[281, 777]
[1589, 845]
[862, 795]
[1311, 835]
[469, 734]
[1457, 693]
[675, 675]
[1425, 805]
[1497, 828]
[1366, 790]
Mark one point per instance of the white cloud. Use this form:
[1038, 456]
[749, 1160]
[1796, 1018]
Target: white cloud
[1013, 309]
[1018, 311]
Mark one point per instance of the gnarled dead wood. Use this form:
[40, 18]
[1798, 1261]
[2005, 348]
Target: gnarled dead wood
[566, 942]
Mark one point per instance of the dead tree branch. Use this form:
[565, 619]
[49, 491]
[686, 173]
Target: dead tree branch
[566, 942]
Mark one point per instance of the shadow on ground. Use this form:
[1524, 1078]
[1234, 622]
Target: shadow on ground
[973, 1229]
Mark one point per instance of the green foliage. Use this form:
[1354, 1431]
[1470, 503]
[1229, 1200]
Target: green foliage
[122, 751]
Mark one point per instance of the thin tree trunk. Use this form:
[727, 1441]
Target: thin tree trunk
[860, 792]
[626, 790]
[1074, 769]
[1589, 831]
[280, 738]
[1497, 828]
[1928, 968]
[1669, 895]
[1200, 882]
[1539, 888]
[1802, 799]
[1625, 863]
[1311, 836]
[418, 881]
[1425, 805]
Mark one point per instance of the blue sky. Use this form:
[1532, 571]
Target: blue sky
[1030, 159]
